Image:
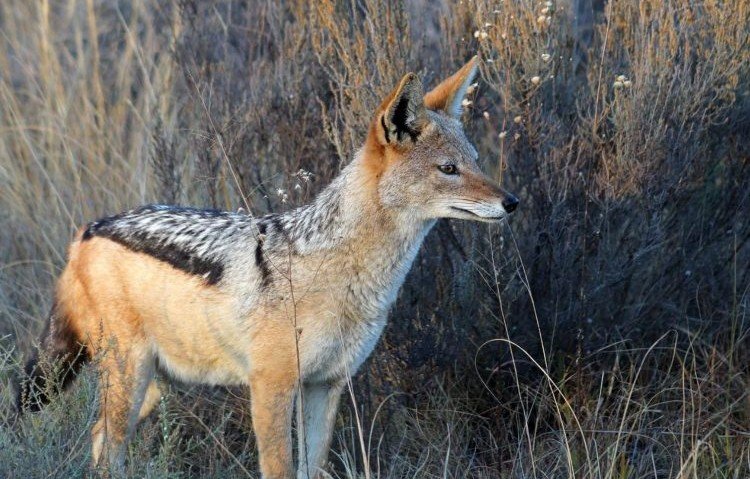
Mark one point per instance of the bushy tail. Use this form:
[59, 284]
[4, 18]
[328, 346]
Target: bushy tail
[52, 367]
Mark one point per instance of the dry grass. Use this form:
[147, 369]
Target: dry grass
[602, 334]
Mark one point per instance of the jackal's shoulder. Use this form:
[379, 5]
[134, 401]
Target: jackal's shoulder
[194, 240]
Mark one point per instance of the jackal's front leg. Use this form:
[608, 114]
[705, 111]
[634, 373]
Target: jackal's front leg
[272, 405]
[316, 411]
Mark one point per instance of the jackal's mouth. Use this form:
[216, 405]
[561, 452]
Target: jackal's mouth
[481, 218]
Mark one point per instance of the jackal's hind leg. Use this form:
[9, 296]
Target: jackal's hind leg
[316, 413]
[124, 379]
[150, 400]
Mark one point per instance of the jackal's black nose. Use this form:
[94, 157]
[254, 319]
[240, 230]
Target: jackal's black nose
[510, 203]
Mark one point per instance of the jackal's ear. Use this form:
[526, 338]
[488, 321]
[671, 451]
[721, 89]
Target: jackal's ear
[402, 116]
[449, 94]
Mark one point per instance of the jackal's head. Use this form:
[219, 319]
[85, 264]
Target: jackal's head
[422, 159]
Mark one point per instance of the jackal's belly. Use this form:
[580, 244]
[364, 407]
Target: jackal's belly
[200, 347]
[209, 352]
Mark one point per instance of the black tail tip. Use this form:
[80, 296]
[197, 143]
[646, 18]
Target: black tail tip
[42, 380]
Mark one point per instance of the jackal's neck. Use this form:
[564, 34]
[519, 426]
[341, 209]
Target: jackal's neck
[348, 214]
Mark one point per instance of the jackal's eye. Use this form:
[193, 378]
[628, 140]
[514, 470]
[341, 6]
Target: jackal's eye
[448, 169]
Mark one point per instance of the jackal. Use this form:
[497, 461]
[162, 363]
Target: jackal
[289, 304]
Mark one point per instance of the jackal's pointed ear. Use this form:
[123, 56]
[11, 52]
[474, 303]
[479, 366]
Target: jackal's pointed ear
[449, 94]
[401, 116]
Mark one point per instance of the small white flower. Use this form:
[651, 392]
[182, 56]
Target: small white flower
[617, 84]
[466, 102]
[548, 20]
[621, 78]
[548, 4]
[627, 83]
[279, 191]
[487, 25]
[486, 115]
[477, 33]
[518, 119]
[546, 57]
[483, 35]
[304, 175]
[502, 134]
[297, 187]
[541, 19]
[504, 36]
[516, 136]
[535, 80]
[545, 10]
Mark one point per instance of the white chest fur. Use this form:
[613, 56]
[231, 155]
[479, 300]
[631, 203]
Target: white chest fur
[345, 334]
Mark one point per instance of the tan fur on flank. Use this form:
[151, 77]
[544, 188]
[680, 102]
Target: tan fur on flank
[289, 305]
